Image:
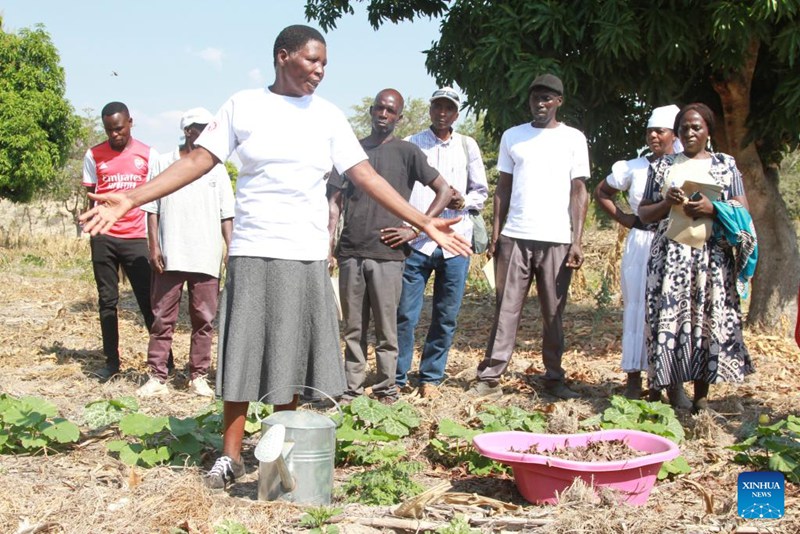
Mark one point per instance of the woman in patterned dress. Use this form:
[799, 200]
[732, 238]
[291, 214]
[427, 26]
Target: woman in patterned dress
[693, 312]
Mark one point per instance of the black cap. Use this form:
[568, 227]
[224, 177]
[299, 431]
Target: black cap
[548, 81]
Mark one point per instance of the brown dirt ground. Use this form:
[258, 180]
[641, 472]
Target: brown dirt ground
[51, 344]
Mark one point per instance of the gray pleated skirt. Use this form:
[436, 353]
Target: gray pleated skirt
[278, 328]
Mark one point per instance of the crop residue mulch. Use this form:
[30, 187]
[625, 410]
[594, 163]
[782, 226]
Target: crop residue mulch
[597, 450]
[51, 347]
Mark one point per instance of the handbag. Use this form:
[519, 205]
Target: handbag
[480, 237]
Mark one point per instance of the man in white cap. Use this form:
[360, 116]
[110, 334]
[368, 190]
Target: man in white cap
[459, 160]
[186, 230]
[631, 176]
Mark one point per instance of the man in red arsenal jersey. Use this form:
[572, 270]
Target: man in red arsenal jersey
[116, 165]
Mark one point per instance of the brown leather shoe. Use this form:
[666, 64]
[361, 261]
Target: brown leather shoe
[429, 391]
[407, 389]
[483, 390]
[387, 399]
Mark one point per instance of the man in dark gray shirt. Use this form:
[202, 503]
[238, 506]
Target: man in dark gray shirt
[371, 271]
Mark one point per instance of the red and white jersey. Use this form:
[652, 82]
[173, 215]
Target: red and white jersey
[109, 171]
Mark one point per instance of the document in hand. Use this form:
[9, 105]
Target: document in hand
[688, 230]
[335, 284]
[488, 272]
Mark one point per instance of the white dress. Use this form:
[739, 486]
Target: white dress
[631, 176]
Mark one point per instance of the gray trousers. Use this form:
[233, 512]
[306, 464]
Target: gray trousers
[517, 263]
[366, 286]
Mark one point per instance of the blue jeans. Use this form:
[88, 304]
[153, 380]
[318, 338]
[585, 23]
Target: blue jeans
[448, 290]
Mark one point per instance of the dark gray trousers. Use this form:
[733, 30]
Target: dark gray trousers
[370, 287]
[517, 263]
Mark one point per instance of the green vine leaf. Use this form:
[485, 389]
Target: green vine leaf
[137, 425]
[155, 456]
[181, 427]
[187, 444]
[129, 454]
[62, 431]
[369, 410]
[395, 427]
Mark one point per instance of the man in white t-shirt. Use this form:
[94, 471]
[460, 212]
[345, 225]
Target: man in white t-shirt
[540, 204]
[186, 231]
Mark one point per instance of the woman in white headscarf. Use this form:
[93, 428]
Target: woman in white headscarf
[631, 176]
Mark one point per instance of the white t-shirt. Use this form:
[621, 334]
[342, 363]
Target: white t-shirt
[543, 162]
[189, 224]
[630, 176]
[287, 146]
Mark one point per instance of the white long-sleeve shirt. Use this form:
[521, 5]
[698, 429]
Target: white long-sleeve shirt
[462, 169]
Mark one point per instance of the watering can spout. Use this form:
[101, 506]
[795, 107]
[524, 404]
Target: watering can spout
[273, 449]
[296, 456]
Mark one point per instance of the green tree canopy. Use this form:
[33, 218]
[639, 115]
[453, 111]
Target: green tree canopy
[66, 187]
[37, 124]
[619, 59]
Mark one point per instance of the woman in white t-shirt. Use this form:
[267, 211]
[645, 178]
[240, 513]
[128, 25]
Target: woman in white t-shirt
[631, 176]
[278, 326]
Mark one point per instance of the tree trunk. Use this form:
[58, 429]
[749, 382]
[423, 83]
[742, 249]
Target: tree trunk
[775, 283]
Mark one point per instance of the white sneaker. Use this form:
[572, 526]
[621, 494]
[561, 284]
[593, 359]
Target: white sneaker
[152, 388]
[199, 386]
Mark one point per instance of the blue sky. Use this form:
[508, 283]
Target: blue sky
[173, 55]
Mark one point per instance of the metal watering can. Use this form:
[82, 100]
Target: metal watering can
[296, 455]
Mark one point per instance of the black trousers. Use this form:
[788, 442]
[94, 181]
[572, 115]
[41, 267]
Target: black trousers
[108, 254]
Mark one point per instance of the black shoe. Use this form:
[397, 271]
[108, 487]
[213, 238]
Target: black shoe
[107, 373]
[678, 398]
[170, 364]
[700, 405]
[224, 473]
[559, 389]
[387, 399]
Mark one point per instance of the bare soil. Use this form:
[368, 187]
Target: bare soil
[51, 347]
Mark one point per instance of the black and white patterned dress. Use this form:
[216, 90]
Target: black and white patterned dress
[694, 329]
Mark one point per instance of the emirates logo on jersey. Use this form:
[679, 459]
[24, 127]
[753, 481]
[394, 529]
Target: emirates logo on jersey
[139, 163]
[211, 126]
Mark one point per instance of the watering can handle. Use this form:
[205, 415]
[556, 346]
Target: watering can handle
[338, 407]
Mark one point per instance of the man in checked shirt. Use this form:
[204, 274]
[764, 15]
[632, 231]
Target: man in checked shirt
[458, 158]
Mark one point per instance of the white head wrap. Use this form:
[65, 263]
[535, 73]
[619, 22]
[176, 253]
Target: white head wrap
[663, 117]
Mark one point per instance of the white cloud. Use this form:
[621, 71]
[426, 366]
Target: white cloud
[256, 76]
[212, 55]
[161, 131]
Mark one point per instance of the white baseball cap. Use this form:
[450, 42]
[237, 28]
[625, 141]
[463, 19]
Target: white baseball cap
[447, 92]
[196, 116]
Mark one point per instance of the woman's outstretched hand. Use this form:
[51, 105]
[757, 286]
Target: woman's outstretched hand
[108, 209]
[441, 231]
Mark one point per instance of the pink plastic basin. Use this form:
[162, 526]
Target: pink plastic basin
[540, 478]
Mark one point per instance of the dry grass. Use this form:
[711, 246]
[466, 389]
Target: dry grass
[51, 345]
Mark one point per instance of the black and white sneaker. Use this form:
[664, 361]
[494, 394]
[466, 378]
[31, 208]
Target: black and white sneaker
[224, 472]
